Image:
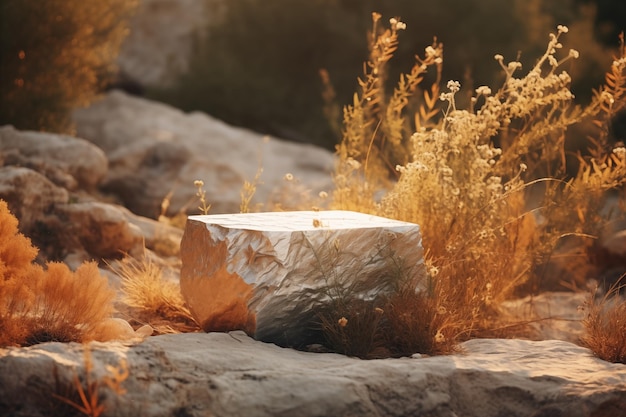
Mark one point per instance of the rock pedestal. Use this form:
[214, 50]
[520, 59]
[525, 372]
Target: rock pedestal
[268, 273]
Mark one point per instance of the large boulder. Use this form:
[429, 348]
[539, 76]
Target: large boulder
[271, 273]
[231, 375]
[156, 152]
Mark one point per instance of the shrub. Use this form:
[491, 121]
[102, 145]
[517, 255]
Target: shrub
[467, 177]
[56, 55]
[68, 306]
[53, 304]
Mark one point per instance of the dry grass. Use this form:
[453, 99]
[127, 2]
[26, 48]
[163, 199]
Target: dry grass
[68, 306]
[466, 176]
[152, 299]
[605, 325]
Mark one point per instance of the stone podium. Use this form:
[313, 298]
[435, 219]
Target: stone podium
[268, 273]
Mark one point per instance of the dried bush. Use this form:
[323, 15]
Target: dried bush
[53, 304]
[468, 177]
[56, 55]
[68, 306]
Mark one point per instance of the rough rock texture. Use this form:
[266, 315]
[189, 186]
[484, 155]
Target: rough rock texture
[550, 315]
[102, 229]
[67, 161]
[156, 152]
[231, 375]
[269, 273]
[162, 34]
[50, 184]
[31, 196]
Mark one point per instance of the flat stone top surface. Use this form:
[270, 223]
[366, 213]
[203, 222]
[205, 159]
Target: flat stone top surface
[299, 220]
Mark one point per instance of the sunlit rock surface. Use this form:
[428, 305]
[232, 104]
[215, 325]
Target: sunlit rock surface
[231, 375]
[268, 273]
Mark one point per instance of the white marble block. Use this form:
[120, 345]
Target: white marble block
[269, 273]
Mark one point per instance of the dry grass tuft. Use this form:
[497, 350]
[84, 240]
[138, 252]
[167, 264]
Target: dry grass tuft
[151, 298]
[605, 325]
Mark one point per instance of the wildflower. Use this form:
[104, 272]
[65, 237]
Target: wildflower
[430, 52]
[483, 90]
[323, 194]
[353, 163]
[454, 86]
[288, 176]
[523, 167]
[562, 29]
[434, 271]
[439, 337]
[498, 57]
[198, 183]
[574, 53]
[342, 322]
[620, 151]
[514, 65]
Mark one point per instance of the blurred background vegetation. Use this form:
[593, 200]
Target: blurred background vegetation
[56, 55]
[258, 65]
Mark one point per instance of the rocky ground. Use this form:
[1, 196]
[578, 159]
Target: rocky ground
[100, 195]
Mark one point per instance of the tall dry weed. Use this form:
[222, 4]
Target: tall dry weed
[469, 176]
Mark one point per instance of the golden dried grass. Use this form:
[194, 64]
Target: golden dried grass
[468, 176]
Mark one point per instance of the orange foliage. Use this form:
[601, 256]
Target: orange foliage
[53, 304]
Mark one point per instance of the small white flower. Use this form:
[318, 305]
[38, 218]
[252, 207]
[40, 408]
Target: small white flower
[454, 86]
[483, 90]
[574, 53]
[562, 29]
[288, 176]
[498, 57]
[619, 151]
